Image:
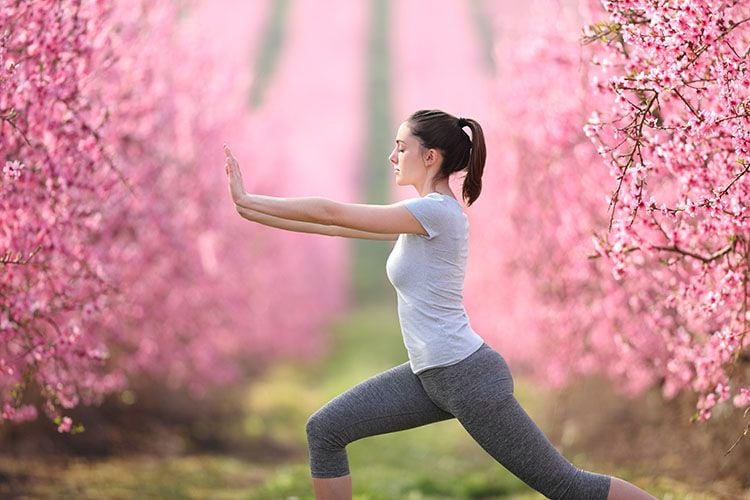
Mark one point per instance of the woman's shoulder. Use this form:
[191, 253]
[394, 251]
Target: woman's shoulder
[448, 204]
[451, 213]
[439, 214]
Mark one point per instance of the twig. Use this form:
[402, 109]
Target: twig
[706, 259]
[744, 433]
[7, 259]
[631, 157]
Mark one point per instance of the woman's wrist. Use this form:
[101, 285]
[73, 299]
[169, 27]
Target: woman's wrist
[242, 200]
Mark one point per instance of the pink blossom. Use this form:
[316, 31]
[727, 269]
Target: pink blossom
[742, 398]
[65, 425]
[12, 169]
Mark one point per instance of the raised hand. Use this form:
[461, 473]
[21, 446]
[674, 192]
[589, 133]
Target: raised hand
[232, 168]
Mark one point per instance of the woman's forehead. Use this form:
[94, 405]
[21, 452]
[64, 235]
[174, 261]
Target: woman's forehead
[403, 133]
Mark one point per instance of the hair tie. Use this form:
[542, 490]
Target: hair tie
[462, 122]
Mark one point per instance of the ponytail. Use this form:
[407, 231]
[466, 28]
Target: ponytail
[473, 181]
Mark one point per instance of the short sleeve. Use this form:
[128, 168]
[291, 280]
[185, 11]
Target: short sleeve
[427, 210]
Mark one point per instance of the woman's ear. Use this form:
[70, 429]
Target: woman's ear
[430, 156]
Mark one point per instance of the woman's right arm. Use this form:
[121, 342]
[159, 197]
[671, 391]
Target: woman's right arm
[310, 227]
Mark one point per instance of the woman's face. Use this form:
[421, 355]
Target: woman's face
[406, 158]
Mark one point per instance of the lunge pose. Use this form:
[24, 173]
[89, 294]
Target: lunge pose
[451, 372]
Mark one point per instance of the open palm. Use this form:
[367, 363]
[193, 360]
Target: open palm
[232, 168]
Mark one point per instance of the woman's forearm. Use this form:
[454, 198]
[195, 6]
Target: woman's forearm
[309, 227]
[311, 209]
[281, 223]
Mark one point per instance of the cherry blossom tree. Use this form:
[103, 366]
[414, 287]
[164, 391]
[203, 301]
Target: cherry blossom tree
[629, 147]
[676, 141]
[121, 251]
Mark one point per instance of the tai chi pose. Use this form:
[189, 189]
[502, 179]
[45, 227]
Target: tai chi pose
[451, 372]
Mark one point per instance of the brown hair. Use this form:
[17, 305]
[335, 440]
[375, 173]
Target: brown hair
[440, 130]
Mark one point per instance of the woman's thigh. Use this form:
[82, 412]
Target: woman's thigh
[390, 401]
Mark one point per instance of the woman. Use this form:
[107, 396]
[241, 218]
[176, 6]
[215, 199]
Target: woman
[451, 372]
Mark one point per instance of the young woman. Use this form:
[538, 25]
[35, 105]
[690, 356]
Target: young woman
[451, 372]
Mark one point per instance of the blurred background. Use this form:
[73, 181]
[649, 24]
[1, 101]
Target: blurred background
[164, 347]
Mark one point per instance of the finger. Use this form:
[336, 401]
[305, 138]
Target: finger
[227, 151]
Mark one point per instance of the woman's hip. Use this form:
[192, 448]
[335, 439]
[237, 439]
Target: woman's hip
[483, 375]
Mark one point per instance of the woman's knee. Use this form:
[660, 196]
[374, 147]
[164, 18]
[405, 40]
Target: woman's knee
[322, 429]
[327, 448]
[334, 425]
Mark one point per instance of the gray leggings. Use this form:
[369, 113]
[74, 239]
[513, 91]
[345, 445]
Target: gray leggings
[478, 391]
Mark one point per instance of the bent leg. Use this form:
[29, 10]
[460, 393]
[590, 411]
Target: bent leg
[391, 401]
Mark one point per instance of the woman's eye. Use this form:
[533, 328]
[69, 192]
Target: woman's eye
[400, 150]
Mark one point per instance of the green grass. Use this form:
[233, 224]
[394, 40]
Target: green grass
[134, 477]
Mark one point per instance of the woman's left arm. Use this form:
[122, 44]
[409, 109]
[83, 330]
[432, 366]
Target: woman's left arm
[385, 219]
[310, 227]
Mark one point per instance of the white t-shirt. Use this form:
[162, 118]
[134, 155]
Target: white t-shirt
[428, 275]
